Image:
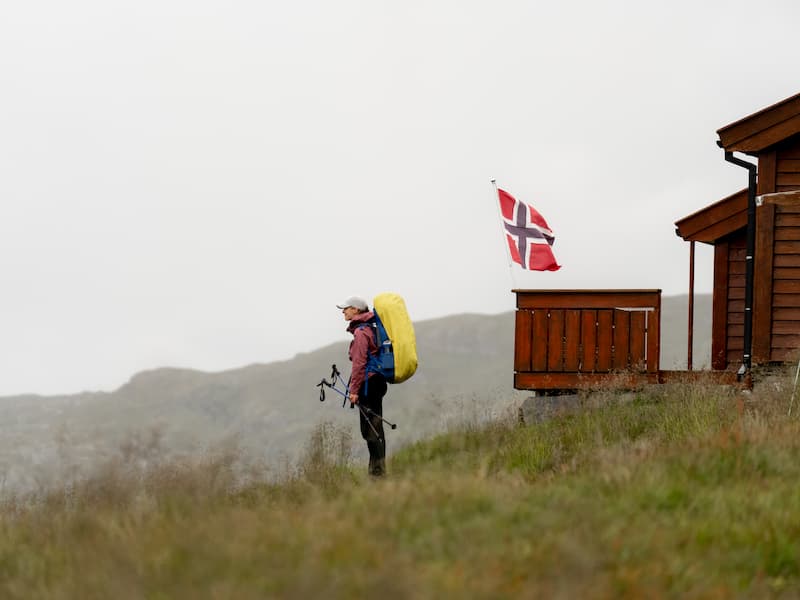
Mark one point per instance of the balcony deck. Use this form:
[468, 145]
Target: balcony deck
[576, 339]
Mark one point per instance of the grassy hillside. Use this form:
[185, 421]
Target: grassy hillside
[680, 491]
[268, 410]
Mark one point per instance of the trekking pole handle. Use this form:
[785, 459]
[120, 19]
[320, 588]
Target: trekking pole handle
[324, 382]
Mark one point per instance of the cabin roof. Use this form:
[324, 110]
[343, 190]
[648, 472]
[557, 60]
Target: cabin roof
[762, 129]
[716, 220]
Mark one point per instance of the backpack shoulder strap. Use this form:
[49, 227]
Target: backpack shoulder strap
[373, 327]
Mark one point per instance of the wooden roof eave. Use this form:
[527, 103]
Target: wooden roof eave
[762, 129]
[715, 221]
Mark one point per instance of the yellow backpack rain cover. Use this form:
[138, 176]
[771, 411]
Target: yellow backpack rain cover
[392, 312]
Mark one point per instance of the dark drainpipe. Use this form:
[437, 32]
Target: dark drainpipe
[751, 246]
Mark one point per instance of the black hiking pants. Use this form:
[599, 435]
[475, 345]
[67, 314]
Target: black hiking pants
[371, 423]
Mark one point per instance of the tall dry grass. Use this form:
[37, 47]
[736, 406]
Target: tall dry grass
[689, 490]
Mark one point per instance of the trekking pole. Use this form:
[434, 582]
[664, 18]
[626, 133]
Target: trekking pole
[371, 426]
[374, 414]
[328, 384]
[336, 376]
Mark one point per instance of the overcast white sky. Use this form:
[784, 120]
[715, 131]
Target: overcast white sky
[197, 183]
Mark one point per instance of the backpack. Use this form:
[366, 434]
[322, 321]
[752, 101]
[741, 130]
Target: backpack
[396, 358]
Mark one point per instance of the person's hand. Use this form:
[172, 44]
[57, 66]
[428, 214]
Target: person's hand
[353, 399]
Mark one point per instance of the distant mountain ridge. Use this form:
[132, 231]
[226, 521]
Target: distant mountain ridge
[268, 410]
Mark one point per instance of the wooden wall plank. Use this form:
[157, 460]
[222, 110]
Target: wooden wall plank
[638, 358]
[788, 165]
[787, 234]
[762, 283]
[736, 293]
[572, 339]
[735, 306]
[523, 333]
[736, 253]
[786, 273]
[578, 381]
[736, 343]
[737, 268]
[786, 341]
[785, 314]
[786, 327]
[622, 331]
[784, 219]
[736, 280]
[787, 247]
[653, 338]
[767, 169]
[539, 350]
[786, 260]
[605, 338]
[786, 286]
[555, 341]
[586, 298]
[786, 301]
[719, 307]
[788, 179]
[588, 340]
[736, 331]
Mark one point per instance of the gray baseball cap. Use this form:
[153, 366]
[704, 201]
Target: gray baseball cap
[355, 302]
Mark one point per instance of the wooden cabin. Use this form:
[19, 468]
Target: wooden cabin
[772, 137]
[571, 339]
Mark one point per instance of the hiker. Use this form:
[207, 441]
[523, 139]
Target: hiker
[366, 389]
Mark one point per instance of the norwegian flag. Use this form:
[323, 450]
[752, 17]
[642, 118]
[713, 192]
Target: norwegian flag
[528, 234]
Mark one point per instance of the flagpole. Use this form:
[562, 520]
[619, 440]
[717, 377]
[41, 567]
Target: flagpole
[503, 234]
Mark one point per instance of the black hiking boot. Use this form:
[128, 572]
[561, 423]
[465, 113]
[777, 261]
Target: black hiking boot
[377, 467]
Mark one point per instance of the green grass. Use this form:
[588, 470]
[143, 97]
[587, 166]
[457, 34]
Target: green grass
[672, 492]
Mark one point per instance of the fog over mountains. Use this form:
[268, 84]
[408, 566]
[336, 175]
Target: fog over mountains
[269, 410]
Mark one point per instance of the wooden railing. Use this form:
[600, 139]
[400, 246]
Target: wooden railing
[571, 339]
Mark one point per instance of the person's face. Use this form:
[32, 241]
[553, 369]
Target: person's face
[349, 312]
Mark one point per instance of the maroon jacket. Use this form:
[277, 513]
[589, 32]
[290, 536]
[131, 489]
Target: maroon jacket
[362, 345]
